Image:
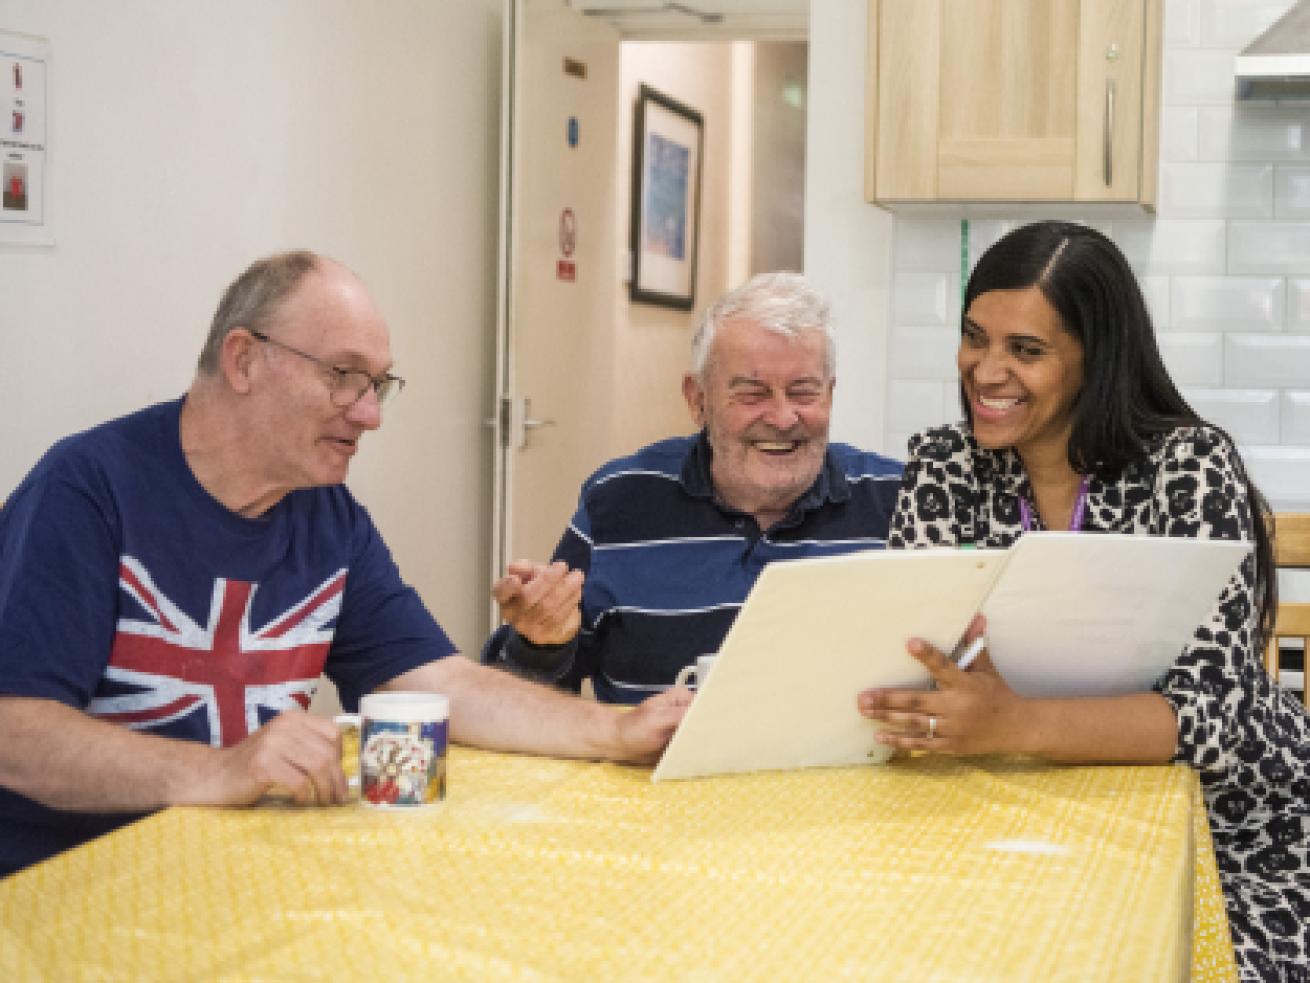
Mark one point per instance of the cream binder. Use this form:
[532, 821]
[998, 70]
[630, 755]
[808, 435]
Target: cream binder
[1068, 614]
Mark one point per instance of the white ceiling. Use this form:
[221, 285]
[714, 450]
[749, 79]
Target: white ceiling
[702, 20]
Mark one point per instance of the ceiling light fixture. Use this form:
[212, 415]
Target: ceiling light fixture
[704, 16]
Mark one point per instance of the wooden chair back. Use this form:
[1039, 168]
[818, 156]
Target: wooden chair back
[1291, 552]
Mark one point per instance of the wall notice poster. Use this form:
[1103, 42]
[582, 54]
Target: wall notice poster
[24, 81]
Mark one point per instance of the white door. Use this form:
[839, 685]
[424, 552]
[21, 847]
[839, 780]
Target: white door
[558, 203]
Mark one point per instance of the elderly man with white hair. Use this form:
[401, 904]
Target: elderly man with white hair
[666, 542]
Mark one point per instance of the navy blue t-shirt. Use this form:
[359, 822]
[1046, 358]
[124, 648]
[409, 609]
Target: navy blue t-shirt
[128, 592]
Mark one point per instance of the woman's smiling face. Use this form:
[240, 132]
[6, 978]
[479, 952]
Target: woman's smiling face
[1021, 371]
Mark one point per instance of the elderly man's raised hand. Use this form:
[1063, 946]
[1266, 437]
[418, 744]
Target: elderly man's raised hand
[541, 602]
[294, 755]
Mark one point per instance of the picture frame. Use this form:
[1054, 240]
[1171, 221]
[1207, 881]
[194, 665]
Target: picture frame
[666, 176]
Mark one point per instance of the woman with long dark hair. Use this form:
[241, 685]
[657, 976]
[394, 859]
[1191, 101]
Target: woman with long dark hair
[1072, 423]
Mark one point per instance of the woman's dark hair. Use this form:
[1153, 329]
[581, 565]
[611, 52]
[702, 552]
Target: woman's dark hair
[1127, 397]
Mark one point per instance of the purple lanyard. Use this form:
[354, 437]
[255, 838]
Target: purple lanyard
[1075, 520]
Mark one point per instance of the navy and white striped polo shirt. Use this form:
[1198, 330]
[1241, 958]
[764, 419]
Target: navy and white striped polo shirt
[668, 567]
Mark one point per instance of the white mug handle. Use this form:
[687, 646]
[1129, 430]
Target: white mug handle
[350, 721]
[686, 676]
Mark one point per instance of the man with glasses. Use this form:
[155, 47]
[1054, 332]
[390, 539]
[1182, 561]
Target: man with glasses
[173, 583]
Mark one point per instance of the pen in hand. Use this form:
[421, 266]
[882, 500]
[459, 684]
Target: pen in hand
[972, 652]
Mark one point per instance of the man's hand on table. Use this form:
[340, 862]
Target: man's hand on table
[642, 733]
[294, 755]
[541, 602]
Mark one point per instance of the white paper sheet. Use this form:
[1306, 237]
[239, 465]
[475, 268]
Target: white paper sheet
[811, 635]
[1097, 615]
[1068, 615]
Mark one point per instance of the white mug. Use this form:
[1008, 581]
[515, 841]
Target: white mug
[402, 748]
[695, 674]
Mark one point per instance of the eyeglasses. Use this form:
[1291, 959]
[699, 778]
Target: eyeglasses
[345, 386]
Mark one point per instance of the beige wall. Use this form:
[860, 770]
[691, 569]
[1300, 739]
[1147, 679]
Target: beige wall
[752, 197]
[188, 138]
[777, 224]
[651, 344]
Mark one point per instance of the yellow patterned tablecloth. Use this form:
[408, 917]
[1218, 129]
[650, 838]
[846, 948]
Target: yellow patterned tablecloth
[923, 870]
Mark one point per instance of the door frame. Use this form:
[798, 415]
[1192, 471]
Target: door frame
[498, 421]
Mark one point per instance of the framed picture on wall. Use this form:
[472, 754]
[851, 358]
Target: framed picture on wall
[666, 165]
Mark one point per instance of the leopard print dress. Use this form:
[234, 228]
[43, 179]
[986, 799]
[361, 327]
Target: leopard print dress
[1248, 738]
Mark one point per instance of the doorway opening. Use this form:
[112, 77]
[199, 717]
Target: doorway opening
[585, 372]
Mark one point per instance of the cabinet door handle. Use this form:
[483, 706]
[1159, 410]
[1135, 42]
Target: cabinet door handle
[1109, 132]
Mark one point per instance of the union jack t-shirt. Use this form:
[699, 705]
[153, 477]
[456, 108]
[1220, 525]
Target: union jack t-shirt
[128, 592]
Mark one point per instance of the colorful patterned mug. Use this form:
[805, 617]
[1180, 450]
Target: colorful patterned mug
[402, 748]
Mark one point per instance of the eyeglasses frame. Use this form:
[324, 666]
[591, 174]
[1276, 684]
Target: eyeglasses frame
[338, 374]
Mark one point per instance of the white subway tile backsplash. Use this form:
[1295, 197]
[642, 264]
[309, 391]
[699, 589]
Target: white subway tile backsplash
[1228, 303]
[924, 352]
[1296, 417]
[1253, 132]
[1179, 133]
[1257, 361]
[1283, 474]
[1298, 304]
[1192, 359]
[1182, 23]
[1173, 245]
[1268, 247]
[1249, 415]
[1156, 291]
[1198, 77]
[983, 232]
[924, 298]
[927, 245]
[954, 412]
[1233, 24]
[914, 405]
[1216, 190]
[898, 443]
[1292, 191]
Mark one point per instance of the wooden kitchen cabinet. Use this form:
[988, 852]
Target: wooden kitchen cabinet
[1013, 101]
